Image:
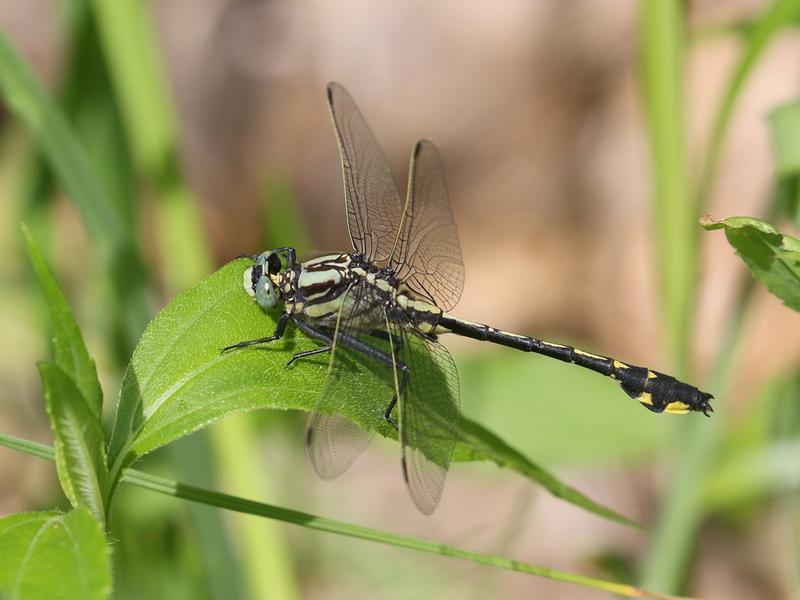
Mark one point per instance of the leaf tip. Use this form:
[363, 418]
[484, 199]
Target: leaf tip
[709, 223]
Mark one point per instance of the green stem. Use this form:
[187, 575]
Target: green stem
[241, 505]
[662, 41]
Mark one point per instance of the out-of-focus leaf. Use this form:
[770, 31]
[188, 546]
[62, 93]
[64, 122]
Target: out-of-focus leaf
[70, 351]
[53, 555]
[178, 381]
[29, 102]
[772, 257]
[784, 127]
[754, 472]
[79, 441]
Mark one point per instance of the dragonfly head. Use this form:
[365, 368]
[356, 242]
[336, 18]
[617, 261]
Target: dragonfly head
[260, 280]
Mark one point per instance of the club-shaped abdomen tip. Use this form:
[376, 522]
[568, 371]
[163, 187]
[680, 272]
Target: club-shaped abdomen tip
[704, 405]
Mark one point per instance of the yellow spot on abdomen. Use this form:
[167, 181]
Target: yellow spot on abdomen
[583, 353]
[677, 408]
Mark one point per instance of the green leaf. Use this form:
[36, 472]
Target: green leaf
[662, 73]
[772, 257]
[79, 441]
[70, 351]
[52, 555]
[178, 381]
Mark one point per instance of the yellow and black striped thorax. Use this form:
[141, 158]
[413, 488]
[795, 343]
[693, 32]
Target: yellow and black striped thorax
[319, 288]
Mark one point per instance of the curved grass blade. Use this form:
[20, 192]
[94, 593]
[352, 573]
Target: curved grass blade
[225, 501]
[53, 555]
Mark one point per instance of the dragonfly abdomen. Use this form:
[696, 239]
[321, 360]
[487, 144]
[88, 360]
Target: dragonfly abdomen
[655, 391]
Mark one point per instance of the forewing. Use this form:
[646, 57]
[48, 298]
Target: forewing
[371, 196]
[429, 416]
[427, 256]
[333, 442]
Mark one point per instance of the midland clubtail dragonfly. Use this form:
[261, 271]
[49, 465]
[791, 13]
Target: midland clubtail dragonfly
[387, 301]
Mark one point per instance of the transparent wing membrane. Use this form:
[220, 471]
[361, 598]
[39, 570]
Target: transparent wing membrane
[419, 240]
[333, 442]
[427, 253]
[371, 197]
[429, 415]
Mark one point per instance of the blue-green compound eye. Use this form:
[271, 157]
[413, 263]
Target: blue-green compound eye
[265, 293]
[258, 284]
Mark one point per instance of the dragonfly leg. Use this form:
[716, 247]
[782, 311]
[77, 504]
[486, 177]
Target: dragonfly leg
[306, 353]
[387, 414]
[279, 329]
[363, 348]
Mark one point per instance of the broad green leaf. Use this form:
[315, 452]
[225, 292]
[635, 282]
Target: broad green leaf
[79, 441]
[53, 555]
[178, 381]
[772, 257]
[70, 351]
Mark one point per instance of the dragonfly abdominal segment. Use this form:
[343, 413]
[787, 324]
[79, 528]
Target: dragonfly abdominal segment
[386, 301]
[656, 391]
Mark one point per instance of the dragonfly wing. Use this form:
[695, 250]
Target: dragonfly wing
[427, 254]
[333, 442]
[429, 416]
[371, 197]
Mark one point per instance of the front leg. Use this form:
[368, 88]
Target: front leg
[279, 330]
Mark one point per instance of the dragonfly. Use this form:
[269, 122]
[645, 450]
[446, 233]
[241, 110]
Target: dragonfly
[387, 301]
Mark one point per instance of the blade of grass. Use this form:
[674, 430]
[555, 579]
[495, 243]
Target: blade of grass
[225, 501]
[662, 40]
